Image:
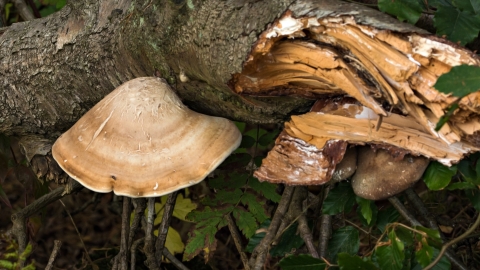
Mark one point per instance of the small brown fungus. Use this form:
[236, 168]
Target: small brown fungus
[141, 141]
[379, 175]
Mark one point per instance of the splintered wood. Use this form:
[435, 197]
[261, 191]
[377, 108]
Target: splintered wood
[390, 75]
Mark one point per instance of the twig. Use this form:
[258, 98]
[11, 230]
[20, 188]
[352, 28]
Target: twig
[414, 222]
[123, 254]
[452, 242]
[93, 200]
[140, 205]
[296, 205]
[149, 246]
[325, 228]
[133, 249]
[237, 239]
[23, 10]
[18, 219]
[174, 260]
[420, 207]
[57, 244]
[34, 9]
[260, 252]
[164, 225]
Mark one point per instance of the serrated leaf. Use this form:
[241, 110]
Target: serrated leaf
[366, 208]
[302, 262]
[409, 10]
[268, 190]
[460, 81]
[245, 222]
[424, 254]
[339, 199]
[390, 256]
[345, 239]
[201, 239]
[6, 265]
[385, 217]
[438, 176]
[255, 207]
[458, 26]
[473, 196]
[227, 196]
[351, 262]
[174, 242]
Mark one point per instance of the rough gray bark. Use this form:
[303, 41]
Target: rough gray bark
[56, 68]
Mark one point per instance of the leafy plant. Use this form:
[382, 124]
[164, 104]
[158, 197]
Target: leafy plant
[12, 259]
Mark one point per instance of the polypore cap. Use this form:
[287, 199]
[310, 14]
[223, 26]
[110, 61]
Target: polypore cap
[141, 141]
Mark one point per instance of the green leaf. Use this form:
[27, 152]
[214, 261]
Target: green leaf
[247, 142]
[433, 234]
[240, 126]
[409, 10]
[301, 262]
[229, 180]
[345, 239]
[472, 6]
[461, 185]
[366, 208]
[268, 138]
[289, 242]
[405, 235]
[198, 240]
[467, 171]
[255, 207]
[254, 240]
[174, 242]
[245, 222]
[474, 196]
[6, 265]
[443, 264]
[183, 206]
[349, 262]
[460, 81]
[225, 196]
[390, 256]
[438, 176]
[424, 253]
[340, 199]
[386, 216]
[458, 26]
[268, 190]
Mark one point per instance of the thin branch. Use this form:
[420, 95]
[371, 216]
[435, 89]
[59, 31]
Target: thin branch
[164, 225]
[57, 244]
[237, 239]
[18, 219]
[260, 252]
[140, 205]
[412, 196]
[23, 10]
[414, 222]
[454, 241]
[34, 9]
[325, 227]
[296, 205]
[133, 257]
[123, 254]
[94, 200]
[177, 263]
[149, 246]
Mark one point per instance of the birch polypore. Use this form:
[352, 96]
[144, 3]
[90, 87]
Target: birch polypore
[334, 51]
[141, 141]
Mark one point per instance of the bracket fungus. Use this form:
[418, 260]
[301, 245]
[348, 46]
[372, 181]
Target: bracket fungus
[373, 79]
[141, 141]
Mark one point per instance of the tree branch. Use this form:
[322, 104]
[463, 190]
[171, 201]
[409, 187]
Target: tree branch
[260, 252]
[237, 239]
